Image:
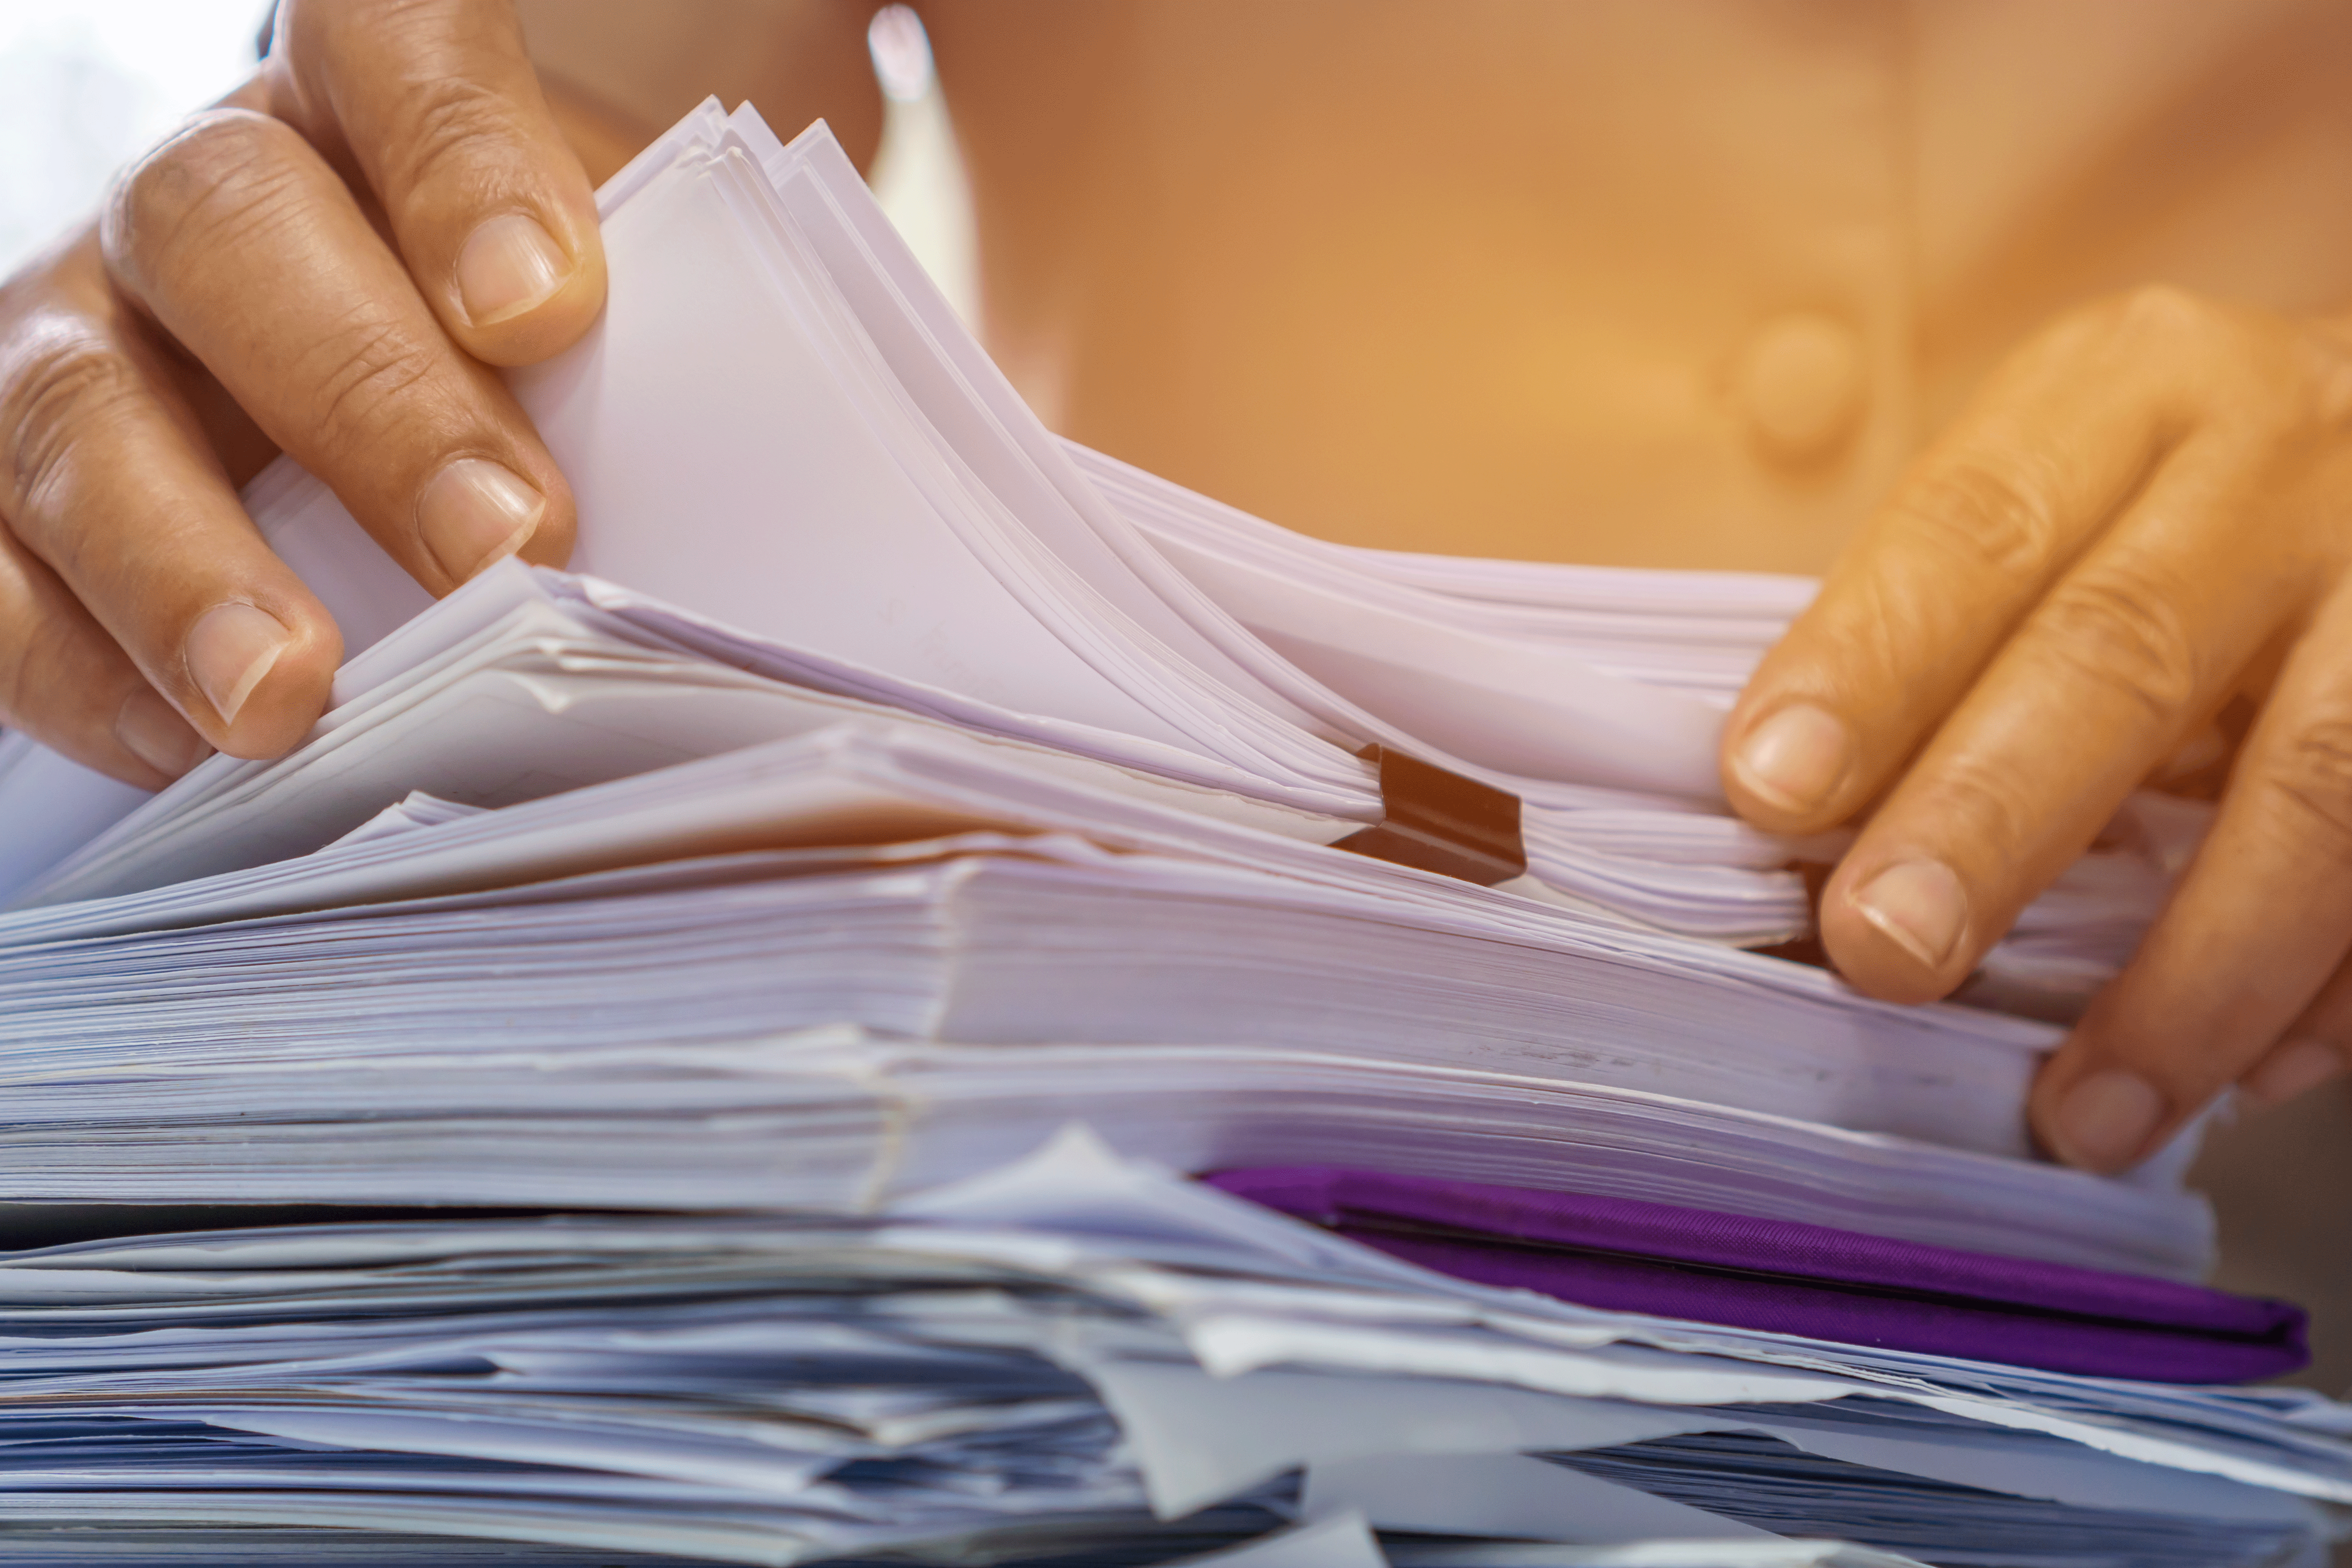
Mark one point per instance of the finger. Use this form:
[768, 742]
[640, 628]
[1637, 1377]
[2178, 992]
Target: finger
[64, 682]
[2293, 1068]
[2122, 660]
[104, 480]
[247, 249]
[436, 106]
[2315, 1049]
[2259, 922]
[1970, 541]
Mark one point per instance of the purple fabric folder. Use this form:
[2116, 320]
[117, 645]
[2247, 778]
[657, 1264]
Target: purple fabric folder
[1791, 1279]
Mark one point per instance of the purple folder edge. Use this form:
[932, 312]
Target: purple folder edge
[1782, 1276]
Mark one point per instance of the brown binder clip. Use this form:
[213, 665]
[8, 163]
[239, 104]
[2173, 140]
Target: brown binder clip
[1442, 822]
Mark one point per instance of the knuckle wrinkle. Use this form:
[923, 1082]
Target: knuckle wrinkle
[223, 173]
[1974, 796]
[1982, 518]
[58, 381]
[357, 377]
[2311, 778]
[2122, 631]
[447, 123]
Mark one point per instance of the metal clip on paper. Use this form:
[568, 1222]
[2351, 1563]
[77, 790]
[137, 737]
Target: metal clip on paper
[1442, 822]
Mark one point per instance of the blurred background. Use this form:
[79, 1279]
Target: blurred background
[84, 84]
[87, 84]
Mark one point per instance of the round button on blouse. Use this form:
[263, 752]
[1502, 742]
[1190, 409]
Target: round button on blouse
[1800, 383]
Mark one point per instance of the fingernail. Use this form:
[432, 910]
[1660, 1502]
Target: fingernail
[1796, 757]
[474, 512]
[229, 649]
[153, 730]
[2105, 1120]
[2293, 1068]
[1919, 904]
[509, 265]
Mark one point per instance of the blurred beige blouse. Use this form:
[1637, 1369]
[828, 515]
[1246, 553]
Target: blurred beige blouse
[1667, 282]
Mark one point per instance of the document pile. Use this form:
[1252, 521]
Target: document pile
[942, 999]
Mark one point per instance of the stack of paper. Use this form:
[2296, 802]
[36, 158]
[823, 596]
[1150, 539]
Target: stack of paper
[895, 785]
[599, 933]
[1076, 1359]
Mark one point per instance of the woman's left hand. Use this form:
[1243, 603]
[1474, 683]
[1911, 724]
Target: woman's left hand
[2147, 512]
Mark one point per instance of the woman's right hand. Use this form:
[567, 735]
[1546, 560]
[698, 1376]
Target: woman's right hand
[328, 264]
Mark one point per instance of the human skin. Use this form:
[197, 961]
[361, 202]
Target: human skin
[2146, 512]
[328, 264]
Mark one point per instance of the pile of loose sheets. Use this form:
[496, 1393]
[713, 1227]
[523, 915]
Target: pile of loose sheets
[879, 1017]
